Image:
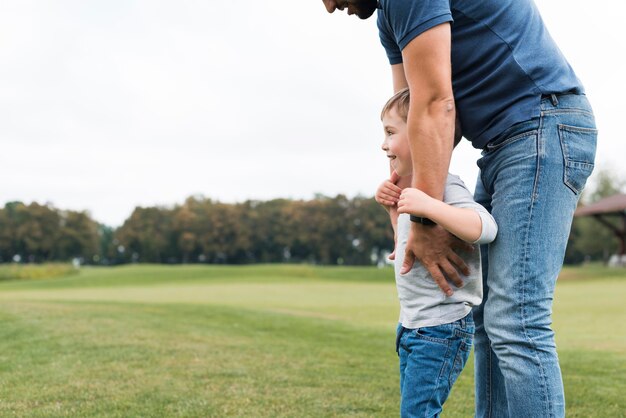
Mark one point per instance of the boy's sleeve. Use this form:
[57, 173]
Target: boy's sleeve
[457, 194]
[400, 21]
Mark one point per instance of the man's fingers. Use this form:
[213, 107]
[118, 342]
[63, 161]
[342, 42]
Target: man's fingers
[458, 263]
[462, 245]
[451, 273]
[392, 256]
[409, 259]
[439, 278]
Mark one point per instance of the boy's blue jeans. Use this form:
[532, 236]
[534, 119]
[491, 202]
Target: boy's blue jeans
[431, 358]
[530, 180]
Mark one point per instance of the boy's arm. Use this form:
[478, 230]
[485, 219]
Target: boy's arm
[462, 222]
[387, 196]
[462, 216]
[402, 183]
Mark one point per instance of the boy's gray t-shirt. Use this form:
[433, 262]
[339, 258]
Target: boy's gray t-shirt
[422, 302]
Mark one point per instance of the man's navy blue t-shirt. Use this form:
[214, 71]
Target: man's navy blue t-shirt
[503, 58]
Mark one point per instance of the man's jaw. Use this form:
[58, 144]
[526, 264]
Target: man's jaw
[363, 9]
[366, 9]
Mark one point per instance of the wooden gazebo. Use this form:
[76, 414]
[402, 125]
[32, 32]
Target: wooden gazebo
[605, 209]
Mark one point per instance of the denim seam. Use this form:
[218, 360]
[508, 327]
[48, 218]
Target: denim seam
[441, 341]
[458, 362]
[439, 377]
[571, 128]
[566, 111]
[508, 141]
[459, 333]
[565, 151]
[525, 274]
[489, 384]
[481, 174]
[540, 154]
[443, 365]
[569, 163]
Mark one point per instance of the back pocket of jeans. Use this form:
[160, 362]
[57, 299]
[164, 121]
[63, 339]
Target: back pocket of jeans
[579, 151]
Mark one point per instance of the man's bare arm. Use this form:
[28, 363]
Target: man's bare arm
[431, 120]
[398, 77]
[431, 117]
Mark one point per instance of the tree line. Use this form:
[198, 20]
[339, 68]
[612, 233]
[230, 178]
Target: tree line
[323, 230]
[589, 240]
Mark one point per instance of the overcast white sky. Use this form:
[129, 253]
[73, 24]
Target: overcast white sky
[107, 105]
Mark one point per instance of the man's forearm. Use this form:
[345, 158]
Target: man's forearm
[431, 133]
[428, 72]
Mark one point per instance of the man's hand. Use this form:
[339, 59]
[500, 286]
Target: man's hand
[433, 247]
[388, 193]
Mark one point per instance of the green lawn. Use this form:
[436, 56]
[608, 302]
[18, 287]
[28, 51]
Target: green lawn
[258, 341]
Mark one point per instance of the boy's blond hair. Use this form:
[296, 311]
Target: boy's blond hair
[400, 101]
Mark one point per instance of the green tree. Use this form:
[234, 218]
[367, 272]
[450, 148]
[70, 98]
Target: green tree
[589, 240]
[108, 246]
[36, 231]
[147, 235]
[78, 237]
[185, 229]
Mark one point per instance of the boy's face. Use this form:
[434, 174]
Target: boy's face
[396, 143]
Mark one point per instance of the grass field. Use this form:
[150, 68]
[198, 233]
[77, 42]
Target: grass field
[259, 341]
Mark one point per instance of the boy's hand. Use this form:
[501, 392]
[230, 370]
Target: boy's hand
[414, 202]
[388, 193]
[393, 213]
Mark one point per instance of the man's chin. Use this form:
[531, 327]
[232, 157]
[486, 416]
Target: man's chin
[364, 16]
[367, 9]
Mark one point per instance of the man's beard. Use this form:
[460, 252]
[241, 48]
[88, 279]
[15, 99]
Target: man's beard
[366, 8]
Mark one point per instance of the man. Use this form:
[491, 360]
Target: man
[519, 101]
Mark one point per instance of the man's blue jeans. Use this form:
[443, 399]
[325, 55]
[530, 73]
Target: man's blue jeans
[531, 178]
[431, 359]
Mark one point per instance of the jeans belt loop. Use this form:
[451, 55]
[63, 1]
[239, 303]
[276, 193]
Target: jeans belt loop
[555, 100]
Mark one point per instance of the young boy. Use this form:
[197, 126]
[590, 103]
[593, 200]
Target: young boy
[435, 333]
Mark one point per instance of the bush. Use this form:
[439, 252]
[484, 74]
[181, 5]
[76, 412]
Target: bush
[16, 271]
